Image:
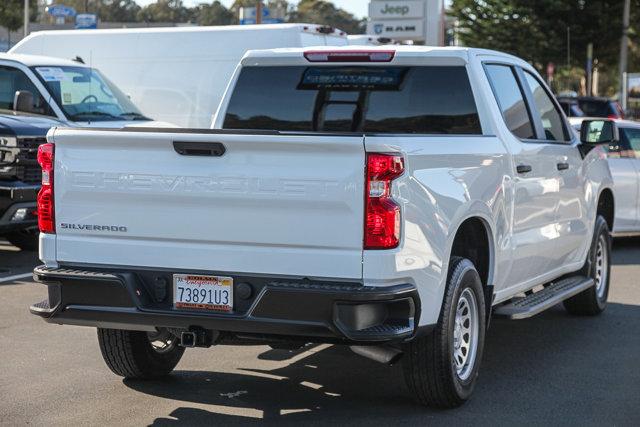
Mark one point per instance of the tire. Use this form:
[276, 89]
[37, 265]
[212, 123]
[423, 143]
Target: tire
[26, 239]
[593, 301]
[130, 354]
[431, 371]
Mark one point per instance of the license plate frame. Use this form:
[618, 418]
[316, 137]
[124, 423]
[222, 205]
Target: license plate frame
[203, 292]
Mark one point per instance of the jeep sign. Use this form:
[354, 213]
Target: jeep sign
[396, 9]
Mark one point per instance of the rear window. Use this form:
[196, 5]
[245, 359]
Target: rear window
[571, 108]
[425, 100]
[596, 108]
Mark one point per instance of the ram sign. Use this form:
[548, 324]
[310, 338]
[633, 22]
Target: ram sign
[399, 29]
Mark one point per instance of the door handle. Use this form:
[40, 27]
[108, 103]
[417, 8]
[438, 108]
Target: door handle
[196, 148]
[563, 166]
[523, 168]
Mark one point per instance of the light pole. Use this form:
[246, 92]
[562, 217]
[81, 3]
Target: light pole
[568, 48]
[624, 46]
[259, 12]
[589, 69]
[26, 18]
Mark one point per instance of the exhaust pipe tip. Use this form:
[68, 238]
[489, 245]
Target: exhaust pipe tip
[381, 354]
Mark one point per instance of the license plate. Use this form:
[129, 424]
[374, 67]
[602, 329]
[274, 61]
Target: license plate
[193, 291]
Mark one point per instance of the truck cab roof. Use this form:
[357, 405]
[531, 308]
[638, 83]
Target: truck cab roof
[39, 60]
[400, 53]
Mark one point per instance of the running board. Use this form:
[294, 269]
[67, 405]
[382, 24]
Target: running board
[537, 302]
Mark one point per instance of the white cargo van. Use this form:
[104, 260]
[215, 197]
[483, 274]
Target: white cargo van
[177, 75]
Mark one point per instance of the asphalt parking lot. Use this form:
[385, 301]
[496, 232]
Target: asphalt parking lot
[551, 369]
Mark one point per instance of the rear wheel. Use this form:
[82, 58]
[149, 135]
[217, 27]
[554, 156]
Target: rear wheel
[598, 267]
[139, 355]
[26, 239]
[441, 369]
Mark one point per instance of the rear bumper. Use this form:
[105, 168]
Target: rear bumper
[342, 312]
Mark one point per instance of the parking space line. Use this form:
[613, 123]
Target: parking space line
[16, 277]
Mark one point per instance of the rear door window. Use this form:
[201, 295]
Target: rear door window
[510, 100]
[414, 100]
[552, 121]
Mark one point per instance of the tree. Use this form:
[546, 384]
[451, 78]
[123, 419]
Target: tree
[326, 13]
[107, 10]
[498, 24]
[213, 14]
[118, 10]
[237, 4]
[271, 4]
[12, 14]
[165, 11]
[537, 31]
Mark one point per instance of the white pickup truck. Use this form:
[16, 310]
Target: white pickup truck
[390, 199]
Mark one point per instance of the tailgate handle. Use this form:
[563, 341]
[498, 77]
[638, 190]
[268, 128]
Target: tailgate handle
[194, 148]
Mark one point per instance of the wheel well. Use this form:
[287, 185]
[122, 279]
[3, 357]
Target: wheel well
[472, 242]
[606, 207]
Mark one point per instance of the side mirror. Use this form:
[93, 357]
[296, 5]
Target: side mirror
[597, 132]
[23, 101]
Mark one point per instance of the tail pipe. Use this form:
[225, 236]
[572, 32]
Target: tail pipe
[381, 354]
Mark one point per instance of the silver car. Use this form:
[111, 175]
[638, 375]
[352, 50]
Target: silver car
[624, 161]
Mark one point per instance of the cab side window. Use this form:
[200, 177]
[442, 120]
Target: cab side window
[13, 80]
[552, 122]
[510, 100]
[631, 138]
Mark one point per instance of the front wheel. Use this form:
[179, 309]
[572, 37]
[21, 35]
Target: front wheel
[139, 355]
[441, 369]
[593, 301]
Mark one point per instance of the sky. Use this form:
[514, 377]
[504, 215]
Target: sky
[358, 7]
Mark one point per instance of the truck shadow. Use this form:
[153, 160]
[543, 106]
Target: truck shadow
[14, 261]
[572, 370]
[626, 251]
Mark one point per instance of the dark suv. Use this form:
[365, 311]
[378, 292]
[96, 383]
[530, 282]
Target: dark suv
[20, 175]
[591, 106]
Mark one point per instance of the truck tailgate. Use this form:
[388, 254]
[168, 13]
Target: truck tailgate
[270, 204]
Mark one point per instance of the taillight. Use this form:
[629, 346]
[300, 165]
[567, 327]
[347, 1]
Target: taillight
[46, 208]
[349, 55]
[382, 214]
